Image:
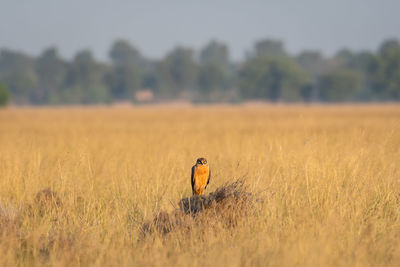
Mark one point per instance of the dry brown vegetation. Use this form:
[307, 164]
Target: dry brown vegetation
[102, 186]
[228, 205]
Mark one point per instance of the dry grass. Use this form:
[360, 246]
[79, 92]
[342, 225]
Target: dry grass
[227, 206]
[77, 186]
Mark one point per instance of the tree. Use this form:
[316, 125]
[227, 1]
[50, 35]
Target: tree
[215, 71]
[84, 70]
[4, 95]
[123, 53]
[51, 71]
[315, 65]
[344, 57]
[340, 85]
[215, 53]
[269, 47]
[178, 72]
[386, 75]
[272, 78]
[269, 73]
[313, 62]
[18, 72]
[212, 77]
[125, 76]
[84, 81]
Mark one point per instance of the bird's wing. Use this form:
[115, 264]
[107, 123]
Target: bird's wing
[192, 177]
[209, 176]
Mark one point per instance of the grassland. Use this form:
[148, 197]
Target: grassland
[329, 177]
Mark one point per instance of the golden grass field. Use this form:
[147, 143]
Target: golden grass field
[329, 177]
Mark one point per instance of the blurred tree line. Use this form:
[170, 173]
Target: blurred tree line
[267, 73]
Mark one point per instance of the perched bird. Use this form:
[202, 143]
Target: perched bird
[200, 176]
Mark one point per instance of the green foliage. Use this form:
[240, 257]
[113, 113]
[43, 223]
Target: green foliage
[177, 72]
[212, 77]
[215, 53]
[18, 72]
[4, 95]
[124, 81]
[51, 71]
[268, 73]
[90, 94]
[386, 77]
[344, 57]
[340, 85]
[269, 47]
[84, 81]
[215, 73]
[272, 78]
[212, 82]
[313, 62]
[125, 77]
[123, 53]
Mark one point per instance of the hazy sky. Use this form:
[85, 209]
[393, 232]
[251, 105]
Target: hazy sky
[155, 27]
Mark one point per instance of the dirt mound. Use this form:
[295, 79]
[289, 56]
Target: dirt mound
[225, 206]
[223, 195]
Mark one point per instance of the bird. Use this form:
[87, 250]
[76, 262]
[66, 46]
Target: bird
[200, 176]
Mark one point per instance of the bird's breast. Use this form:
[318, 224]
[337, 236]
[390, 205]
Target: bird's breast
[202, 169]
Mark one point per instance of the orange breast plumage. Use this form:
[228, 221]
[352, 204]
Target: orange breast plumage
[200, 178]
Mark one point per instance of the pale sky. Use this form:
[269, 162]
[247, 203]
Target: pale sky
[155, 27]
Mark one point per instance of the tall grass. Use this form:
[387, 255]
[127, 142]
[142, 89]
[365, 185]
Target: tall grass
[76, 185]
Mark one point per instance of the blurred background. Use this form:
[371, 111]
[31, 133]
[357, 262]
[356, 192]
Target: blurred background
[55, 52]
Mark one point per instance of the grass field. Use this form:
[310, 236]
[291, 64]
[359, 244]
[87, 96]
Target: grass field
[329, 178]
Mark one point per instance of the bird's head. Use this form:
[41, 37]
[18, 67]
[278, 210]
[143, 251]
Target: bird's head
[201, 161]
